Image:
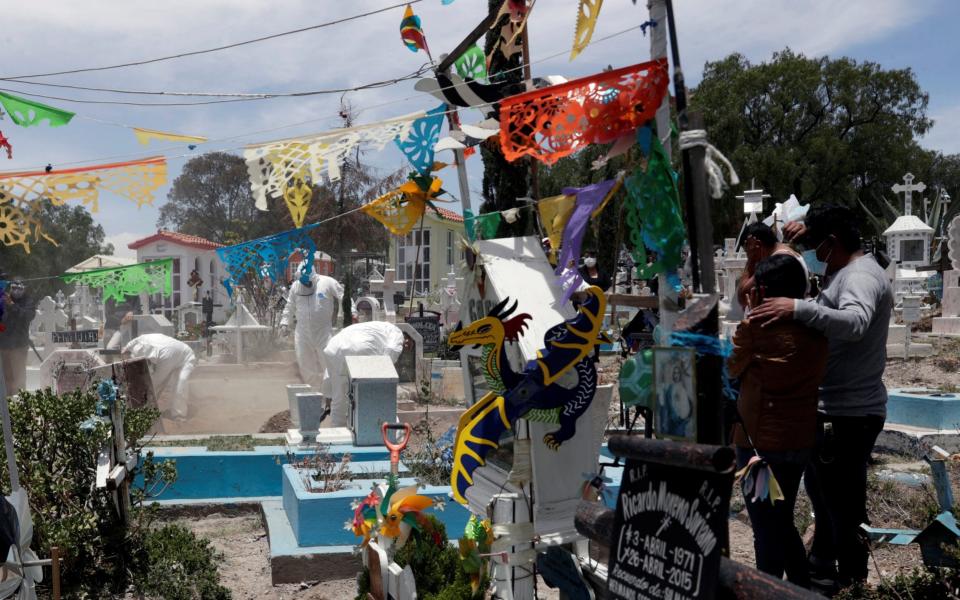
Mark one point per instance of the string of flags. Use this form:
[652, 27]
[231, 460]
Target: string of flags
[20, 193]
[587, 13]
[117, 283]
[283, 168]
[267, 256]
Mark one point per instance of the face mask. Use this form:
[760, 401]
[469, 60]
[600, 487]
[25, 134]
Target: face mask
[815, 265]
[590, 262]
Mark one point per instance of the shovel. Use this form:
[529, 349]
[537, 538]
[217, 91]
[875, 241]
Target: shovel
[397, 447]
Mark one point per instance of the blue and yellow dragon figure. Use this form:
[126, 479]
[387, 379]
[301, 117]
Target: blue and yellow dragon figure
[542, 384]
[491, 332]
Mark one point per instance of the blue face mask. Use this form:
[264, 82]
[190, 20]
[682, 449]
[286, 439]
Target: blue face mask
[815, 265]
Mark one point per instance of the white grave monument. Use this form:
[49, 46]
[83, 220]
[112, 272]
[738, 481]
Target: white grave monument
[49, 318]
[389, 286]
[908, 242]
[733, 263]
[948, 323]
[240, 325]
[368, 309]
[450, 300]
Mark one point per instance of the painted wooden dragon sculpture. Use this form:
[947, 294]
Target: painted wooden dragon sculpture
[546, 383]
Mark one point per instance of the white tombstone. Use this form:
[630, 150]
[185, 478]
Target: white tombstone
[410, 362]
[389, 286]
[948, 323]
[368, 309]
[65, 370]
[49, 318]
[450, 300]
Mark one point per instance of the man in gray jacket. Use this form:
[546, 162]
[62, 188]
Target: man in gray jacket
[853, 311]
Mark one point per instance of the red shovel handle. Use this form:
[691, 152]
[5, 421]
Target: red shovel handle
[396, 448]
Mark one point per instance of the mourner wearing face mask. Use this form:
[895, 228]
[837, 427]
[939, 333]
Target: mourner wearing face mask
[591, 273]
[853, 312]
[18, 310]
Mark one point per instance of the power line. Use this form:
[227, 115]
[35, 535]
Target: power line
[242, 95]
[219, 48]
[297, 124]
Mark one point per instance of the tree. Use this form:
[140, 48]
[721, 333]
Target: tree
[504, 181]
[211, 198]
[823, 129]
[577, 171]
[77, 237]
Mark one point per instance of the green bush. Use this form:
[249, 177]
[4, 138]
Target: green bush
[177, 565]
[57, 464]
[436, 565]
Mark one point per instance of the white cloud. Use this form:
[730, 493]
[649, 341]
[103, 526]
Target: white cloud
[101, 32]
[120, 241]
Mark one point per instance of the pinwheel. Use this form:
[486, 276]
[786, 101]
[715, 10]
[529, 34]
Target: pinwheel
[19, 574]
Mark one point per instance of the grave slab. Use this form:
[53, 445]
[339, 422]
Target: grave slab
[411, 357]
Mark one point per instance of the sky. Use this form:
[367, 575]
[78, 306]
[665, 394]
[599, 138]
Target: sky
[57, 35]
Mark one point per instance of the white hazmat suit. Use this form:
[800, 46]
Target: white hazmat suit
[171, 363]
[310, 311]
[375, 338]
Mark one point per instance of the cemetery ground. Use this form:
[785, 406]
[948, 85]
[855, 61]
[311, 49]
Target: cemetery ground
[240, 535]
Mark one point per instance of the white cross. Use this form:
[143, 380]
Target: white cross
[908, 188]
[49, 318]
[753, 199]
[388, 286]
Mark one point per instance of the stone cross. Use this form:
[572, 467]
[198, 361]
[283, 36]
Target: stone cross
[389, 285]
[908, 188]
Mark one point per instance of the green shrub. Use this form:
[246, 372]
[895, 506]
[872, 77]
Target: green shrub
[436, 565]
[174, 564]
[57, 463]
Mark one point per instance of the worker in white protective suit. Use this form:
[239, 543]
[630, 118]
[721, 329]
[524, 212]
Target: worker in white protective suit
[374, 338]
[311, 311]
[171, 362]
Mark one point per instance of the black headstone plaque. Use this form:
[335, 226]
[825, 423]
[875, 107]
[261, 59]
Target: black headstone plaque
[80, 336]
[670, 526]
[428, 326]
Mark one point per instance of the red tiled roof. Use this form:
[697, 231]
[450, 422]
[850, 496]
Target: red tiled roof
[174, 237]
[448, 215]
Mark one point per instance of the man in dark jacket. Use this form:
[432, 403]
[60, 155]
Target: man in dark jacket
[18, 311]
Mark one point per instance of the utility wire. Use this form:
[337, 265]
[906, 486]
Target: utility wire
[242, 95]
[219, 48]
[300, 123]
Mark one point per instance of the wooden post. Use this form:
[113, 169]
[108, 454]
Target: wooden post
[119, 472]
[55, 566]
[528, 75]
